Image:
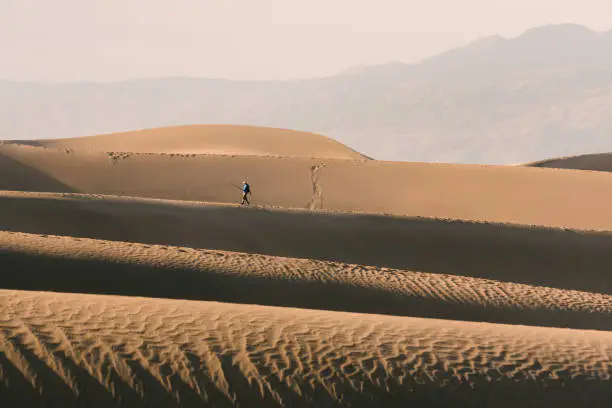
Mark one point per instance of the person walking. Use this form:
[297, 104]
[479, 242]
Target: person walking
[246, 190]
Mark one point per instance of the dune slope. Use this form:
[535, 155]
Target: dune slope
[549, 257]
[284, 182]
[67, 264]
[96, 351]
[521, 195]
[209, 139]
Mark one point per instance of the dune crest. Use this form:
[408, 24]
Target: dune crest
[208, 139]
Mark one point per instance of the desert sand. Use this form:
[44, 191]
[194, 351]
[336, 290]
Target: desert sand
[208, 139]
[84, 350]
[94, 266]
[521, 195]
[525, 254]
[131, 278]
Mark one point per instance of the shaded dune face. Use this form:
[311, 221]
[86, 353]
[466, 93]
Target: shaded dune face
[93, 266]
[208, 139]
[97, 351]
[522, 254]
[18, 176]
[591, 162]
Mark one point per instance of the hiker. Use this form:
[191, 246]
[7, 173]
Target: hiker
[246, 190]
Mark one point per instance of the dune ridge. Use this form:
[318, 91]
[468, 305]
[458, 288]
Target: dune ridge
[105, 351]
[95, 266]
[207, 139]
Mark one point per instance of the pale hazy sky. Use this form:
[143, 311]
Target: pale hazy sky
[67, 40]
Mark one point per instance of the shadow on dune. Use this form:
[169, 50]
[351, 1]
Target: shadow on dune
[548, 257]
[65, 216]
[20, 177]
[15, 389]
[100, 276]
[590, 162]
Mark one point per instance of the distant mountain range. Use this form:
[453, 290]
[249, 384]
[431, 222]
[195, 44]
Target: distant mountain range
[545, 93]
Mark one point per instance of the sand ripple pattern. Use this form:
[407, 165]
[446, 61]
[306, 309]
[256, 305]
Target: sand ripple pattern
[85, 350]
[95, 266]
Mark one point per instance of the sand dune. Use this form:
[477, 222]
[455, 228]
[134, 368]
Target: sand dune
[209, 139]
[593, 162]
[521, 195]
[67, 264]
[374, 254]
[550, 257]
[275, 181]
[531, 196]
[101, 351]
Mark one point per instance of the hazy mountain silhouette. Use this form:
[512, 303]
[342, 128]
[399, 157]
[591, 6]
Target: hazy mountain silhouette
[545, 93]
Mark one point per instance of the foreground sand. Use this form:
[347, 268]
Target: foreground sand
[67, 264]
[521, 195]
[101, 351]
